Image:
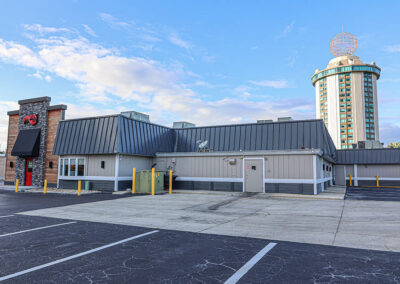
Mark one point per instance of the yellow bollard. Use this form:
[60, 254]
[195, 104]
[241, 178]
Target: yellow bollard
[377, 181]
[153, 170]
[170, 182]
[16, 185]
[79, 187]
[133, 180]
[45, 186]
[351, 181]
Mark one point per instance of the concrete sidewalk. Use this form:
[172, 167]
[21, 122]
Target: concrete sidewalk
[348, 223]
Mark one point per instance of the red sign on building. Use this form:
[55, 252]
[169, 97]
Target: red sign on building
[31, 119]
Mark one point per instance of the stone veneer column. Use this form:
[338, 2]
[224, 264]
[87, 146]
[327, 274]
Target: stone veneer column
[40, 107]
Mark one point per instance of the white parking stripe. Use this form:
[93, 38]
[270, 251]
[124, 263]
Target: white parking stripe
[35, 229]
[74, 256]
[6, 216]
[245, 268]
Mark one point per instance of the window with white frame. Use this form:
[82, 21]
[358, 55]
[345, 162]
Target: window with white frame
[72, 167]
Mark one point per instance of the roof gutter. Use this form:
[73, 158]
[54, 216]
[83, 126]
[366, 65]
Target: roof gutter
[318, 152]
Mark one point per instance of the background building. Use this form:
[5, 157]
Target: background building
[346, 95]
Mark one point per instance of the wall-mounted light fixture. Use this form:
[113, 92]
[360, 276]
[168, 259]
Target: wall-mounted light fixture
[11, 164]
[103, 164]
[50, 164]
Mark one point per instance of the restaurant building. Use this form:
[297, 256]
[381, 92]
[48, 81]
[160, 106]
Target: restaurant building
[285, 156]
[31, 135]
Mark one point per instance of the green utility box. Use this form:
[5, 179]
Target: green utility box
[87, 185]
[143, 182]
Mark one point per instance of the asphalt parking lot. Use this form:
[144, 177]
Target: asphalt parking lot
[13, 203]
[37, 249]
[374, 194]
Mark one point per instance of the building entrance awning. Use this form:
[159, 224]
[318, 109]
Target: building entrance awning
[27, 144]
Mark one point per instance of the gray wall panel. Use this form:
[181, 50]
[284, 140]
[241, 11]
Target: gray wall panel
[106, 186]
[127, 163]
[289, 188]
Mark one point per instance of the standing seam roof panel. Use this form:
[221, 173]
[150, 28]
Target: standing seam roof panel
[368, 156]
[118, 134]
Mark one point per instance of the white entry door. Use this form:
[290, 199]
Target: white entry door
[253, 175]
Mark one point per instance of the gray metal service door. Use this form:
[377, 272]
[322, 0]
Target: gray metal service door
[339, 175]
[253, 175]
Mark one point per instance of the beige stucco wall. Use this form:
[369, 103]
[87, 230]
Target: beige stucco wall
[127, 163]
[380, 170]
[201, 166]
[366, 171]
[376, 116]
[289, 167]
[93, 164]
[357, 91]
[276, 166]
[333, 109]
[317, 101]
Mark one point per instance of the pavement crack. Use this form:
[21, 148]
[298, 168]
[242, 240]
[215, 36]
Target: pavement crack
[340, 221]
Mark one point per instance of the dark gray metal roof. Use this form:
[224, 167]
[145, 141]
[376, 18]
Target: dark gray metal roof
[287, 135]
[368, 156]
[143, 138]
[96, 135]
[119, 134]
[111, 135]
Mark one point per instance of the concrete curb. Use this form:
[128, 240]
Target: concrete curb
[322, 196]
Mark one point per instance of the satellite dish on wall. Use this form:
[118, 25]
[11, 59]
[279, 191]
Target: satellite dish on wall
[203, 144]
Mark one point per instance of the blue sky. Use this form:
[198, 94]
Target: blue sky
[202, 61]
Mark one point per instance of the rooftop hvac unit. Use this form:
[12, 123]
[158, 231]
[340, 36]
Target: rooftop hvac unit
[287, 118]
[183, 124]
[136, 115]
[369, 144]
[264, 120]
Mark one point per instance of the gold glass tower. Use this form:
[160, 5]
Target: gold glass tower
[346, 95]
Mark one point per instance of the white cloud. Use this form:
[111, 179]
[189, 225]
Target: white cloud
[286, 30]
[37, 75]
[89, 30]
[43, 30]
[243, 91]
[5, 106]
[113, 21]
[104, 75]
[389, 132]
[19, 54]
[178, 41]
[278, 84]
[40, 76]
[392, 48]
